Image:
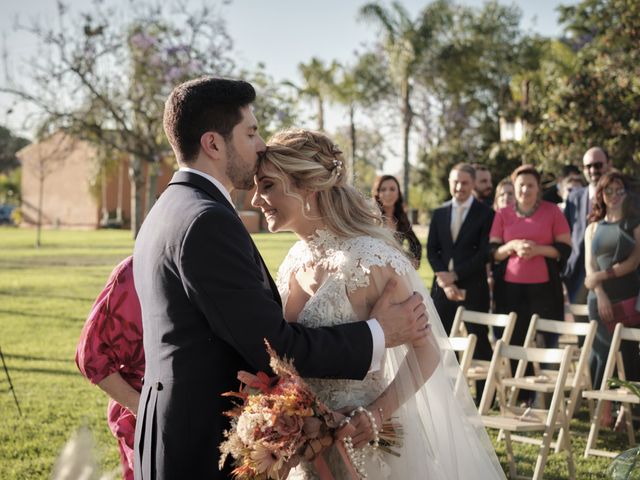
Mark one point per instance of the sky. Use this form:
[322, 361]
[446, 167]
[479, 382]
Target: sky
[279, 33]
[330, 29]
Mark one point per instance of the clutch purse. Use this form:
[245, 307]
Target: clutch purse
[625, 312]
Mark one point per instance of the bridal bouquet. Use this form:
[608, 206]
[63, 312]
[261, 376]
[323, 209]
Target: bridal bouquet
[279, 422]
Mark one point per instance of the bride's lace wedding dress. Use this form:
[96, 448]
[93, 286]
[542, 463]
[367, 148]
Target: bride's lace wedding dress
[443, 437]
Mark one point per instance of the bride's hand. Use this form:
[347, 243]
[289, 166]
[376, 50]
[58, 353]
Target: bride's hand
[363, 432]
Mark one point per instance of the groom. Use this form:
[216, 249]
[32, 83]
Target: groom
[207, 299]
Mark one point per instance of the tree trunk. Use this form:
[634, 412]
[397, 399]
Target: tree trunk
[153, 169]
[407, 117]
[352, 131]
[120, 194]
[104, 221]
[320, 114]
[40, 203]
[136, 178]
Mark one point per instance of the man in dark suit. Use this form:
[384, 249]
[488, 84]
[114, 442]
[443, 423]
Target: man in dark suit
[207, 299]
[458, 250]
[595, 163]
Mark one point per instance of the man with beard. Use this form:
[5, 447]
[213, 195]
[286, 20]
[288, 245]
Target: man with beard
[208, 302]
[458, 249]
[578, 207]
[483, 187]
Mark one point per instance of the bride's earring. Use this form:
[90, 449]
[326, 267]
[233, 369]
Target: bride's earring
[307, 206]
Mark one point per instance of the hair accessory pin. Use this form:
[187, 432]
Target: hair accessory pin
[337, 166]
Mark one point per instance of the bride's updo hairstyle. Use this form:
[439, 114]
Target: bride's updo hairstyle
[311, 161]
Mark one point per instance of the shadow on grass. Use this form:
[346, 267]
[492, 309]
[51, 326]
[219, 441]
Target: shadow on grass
[34, 358]
[21, 293]
[30, 262]
[66, 318]
[43, 371]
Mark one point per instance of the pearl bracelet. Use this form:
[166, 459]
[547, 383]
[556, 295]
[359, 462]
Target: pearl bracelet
[358, 456]
[374, 426]
[355, 456]
[372, 421]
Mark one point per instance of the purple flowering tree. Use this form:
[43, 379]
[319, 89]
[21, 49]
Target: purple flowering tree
[104, 75]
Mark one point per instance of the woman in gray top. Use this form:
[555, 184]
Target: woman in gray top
[612, 255]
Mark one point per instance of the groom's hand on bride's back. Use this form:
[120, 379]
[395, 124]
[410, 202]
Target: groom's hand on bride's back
[403, 322]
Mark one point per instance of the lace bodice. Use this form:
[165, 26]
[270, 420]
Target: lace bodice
[349, 263]
[348, 259]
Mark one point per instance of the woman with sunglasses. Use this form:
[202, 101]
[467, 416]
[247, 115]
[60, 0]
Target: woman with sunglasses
[612, 255]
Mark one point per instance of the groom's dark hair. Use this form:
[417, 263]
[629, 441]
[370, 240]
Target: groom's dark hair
[206, 104]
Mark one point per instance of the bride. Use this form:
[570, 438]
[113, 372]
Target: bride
[334, 274]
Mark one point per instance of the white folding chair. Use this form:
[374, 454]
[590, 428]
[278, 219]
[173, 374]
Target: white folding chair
[478, 369]
[578, 378]
[464, 347]
[578, 311]
[606, 393]
[516, 420]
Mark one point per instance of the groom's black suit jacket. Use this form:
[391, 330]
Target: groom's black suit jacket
[207, 304]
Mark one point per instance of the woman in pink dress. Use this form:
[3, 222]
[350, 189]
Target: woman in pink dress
[534, 238]
[110, 354]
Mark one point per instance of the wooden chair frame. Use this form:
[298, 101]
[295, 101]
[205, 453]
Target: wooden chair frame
[478, 369]
[513, 419]
[579, 309]
[465, 346]
[578, 378]
[614, 362]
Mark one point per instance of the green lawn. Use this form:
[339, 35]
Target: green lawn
[45, 296]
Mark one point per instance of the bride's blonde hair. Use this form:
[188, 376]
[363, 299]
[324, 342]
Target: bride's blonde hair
[310, 160]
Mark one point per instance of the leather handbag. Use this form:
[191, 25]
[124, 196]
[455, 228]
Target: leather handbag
[624, 312]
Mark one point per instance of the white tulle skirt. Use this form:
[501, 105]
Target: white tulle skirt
[443, 439]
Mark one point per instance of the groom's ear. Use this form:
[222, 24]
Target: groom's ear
[212, 144]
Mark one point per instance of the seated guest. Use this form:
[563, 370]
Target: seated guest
[110, 354]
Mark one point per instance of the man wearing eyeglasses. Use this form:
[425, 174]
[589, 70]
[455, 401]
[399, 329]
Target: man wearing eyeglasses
[595, 163]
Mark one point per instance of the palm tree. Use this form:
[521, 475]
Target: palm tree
[317, 84]
[361, 85]
[404, 42]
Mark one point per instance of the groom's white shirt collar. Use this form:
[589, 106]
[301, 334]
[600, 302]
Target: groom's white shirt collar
[213, 180]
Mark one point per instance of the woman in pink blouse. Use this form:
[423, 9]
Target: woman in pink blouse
[110, 355]
[535, 238]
